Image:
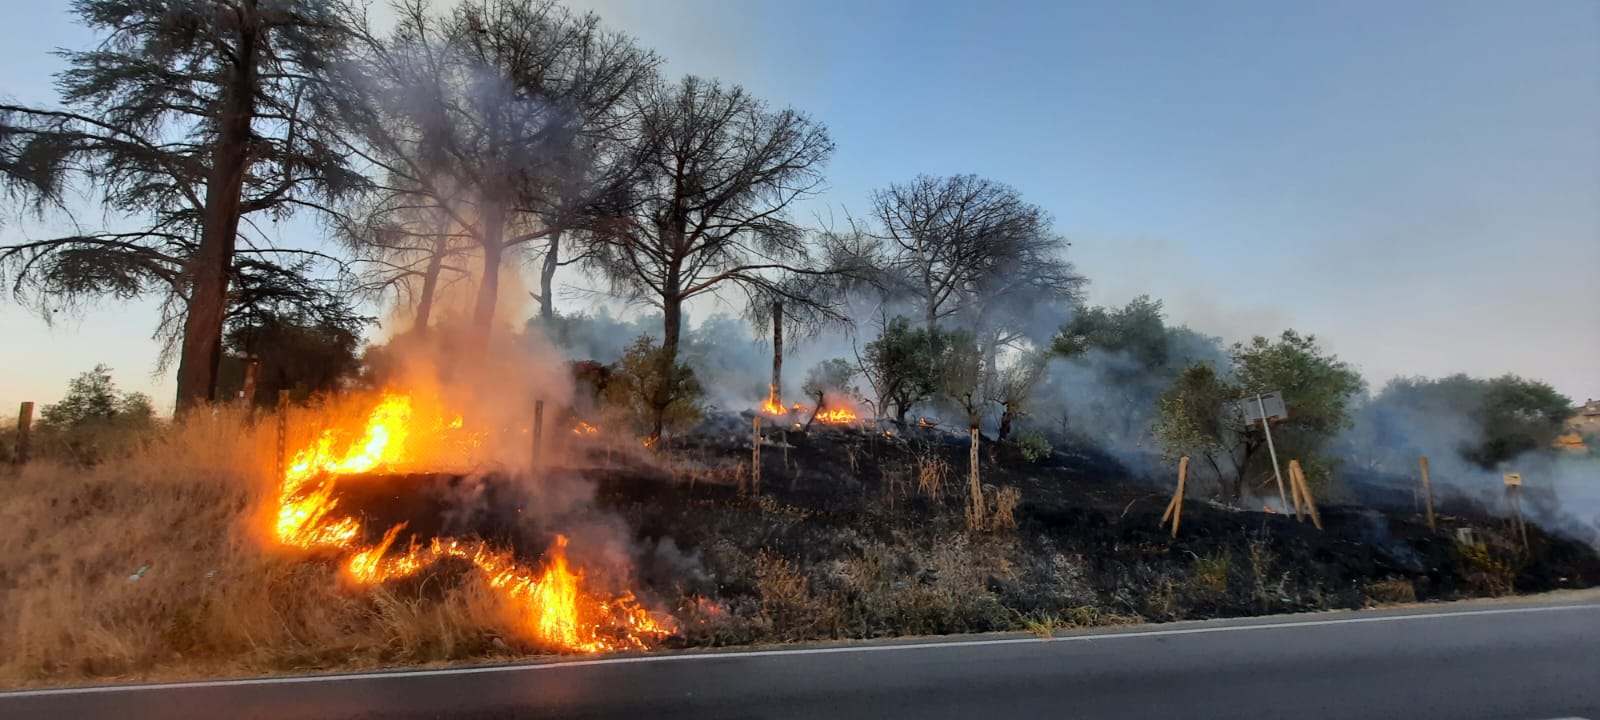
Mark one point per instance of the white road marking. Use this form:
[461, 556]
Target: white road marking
[734, 655]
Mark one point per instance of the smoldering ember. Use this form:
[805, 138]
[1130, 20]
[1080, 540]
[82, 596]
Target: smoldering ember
[712, 425]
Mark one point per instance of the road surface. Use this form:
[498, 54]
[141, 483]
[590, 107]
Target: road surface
[1528, 660]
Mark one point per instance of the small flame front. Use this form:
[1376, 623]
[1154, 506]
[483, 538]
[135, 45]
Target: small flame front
[583, 428]
[837, 416]
[551, 604]
[774, 403]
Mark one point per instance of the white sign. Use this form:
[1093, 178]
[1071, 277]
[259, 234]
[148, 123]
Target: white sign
[1272, 402]
[1513, 479]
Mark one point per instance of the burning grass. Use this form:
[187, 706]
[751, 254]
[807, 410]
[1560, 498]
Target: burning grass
[183, 559]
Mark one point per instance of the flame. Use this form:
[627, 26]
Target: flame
[551, 604]
[773, 404]
[583, 428]
[925, 423]
[837, 416]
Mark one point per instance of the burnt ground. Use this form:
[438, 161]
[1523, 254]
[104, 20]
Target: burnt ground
[854, 534]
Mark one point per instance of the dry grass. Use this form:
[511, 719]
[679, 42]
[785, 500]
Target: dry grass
[193, 508]
[1212, 572]
[931, 473]
[1392, 591]
[1006, 500]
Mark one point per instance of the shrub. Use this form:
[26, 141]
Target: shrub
[653, 390]
[1033, 445]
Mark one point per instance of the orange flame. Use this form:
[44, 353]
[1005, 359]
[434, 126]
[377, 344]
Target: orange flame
[583, 428]
[837, 416]
[773, 404]
[551, 605]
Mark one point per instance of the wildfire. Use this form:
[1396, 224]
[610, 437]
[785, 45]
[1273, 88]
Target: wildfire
[583, 428]
[773, 404]
[551, 603]
[837, 416]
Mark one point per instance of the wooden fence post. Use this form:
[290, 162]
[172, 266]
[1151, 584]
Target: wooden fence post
[975, 486]
[283, 432]
[538, 431]
[1297, 475]
[755, 456]
[24, 427]
[1175, 507]
[1296, 491]
[1427, 493]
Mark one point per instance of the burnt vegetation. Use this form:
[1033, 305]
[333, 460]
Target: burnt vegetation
[962, 443]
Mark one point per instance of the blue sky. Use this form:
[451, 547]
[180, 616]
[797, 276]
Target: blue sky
[1417, 183]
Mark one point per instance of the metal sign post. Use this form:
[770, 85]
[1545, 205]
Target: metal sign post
[1266, 407]
[1266, 426]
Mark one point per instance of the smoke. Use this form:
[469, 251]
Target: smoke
[733, 363]
[1110, 398]
[1560, 492]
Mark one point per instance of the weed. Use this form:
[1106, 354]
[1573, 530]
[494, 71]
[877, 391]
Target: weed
[1212, 572]
[1006, 500]
[1260, 568]
[1043, 625]
[931, 473]
[1392, 591]
[1488, 567]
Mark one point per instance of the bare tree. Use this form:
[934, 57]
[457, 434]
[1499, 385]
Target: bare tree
[501, 121]
[971, 251]
[190, 115]
[720, 173]
[1012, 385]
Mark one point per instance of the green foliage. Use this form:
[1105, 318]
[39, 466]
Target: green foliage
[94, 420]
[653, 389]
[1116, 361]
[904, 364]
[1194, 419]
[1318, 388]
[1518, 415]
[93, 398]
[1033, 445]
[1198, 417]
[1485, 421]
[303, 356]
[1137, 329]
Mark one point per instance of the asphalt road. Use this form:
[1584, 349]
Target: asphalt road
[1524, 661]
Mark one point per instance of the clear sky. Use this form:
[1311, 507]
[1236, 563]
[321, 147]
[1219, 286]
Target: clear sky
[1417, 183]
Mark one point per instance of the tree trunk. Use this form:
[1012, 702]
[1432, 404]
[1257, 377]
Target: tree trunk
[547, 278]
[430, 277]
[671, 326]
[209, 270]
[489, 284]
[671, 331]
[777, 354]
[1005, 423]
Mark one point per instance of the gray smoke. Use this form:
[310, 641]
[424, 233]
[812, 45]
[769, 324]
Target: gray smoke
[1561, 489]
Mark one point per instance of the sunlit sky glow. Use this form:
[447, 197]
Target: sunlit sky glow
[1416, 183]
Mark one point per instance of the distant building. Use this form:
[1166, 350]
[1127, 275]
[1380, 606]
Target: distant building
[1585, 422]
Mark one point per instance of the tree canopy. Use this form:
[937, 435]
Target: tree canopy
[187, 118]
